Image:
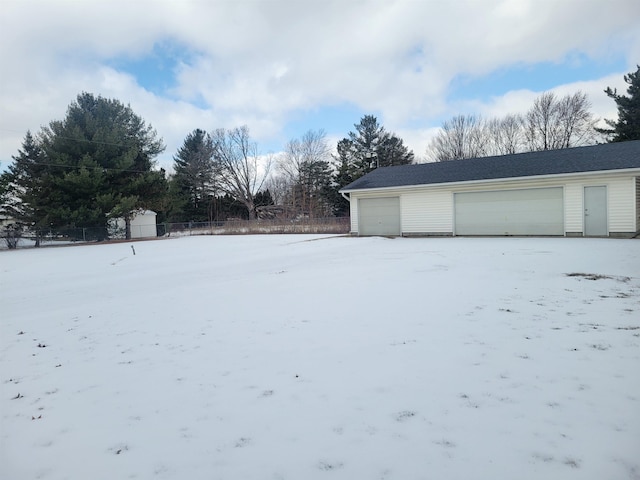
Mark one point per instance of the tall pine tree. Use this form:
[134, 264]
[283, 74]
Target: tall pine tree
[24, 183]
[364, 150]
[192, 186]
[372, 147]
[627, 127]
[95, 164]
[344, 174]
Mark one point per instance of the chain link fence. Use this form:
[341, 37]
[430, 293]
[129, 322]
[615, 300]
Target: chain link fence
[333, 225]
[11, 237]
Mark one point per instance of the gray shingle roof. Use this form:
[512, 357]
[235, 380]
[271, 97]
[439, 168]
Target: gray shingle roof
[609, 156]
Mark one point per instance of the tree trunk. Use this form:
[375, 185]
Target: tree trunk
[251, 207]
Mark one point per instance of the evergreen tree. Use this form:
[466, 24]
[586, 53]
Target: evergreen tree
[627, 127]
[263, 199]
[364, 144]
[4, 191]
[94, 165]
[24, 183]
[364, 150]
[191, 186]
[372, 147]
[343, 175]
[315, 180]
[227, 207]
[392, 151]
[177, 202]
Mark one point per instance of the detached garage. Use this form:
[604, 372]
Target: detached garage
[584, 191]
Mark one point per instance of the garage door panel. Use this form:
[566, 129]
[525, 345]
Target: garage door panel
[510, 212]
[379, 216]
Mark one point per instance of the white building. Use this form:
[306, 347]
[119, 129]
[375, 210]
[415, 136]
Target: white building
[583, 191]
[143, 225]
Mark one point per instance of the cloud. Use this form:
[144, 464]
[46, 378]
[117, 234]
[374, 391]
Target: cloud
[264, 63]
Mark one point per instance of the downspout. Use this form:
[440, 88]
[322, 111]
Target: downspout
[348, 199]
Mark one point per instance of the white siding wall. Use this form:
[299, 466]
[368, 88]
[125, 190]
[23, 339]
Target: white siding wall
[637, 179]
[573, 207]
[620, 208]
[429, 209]
[353, 212]
[621, 193]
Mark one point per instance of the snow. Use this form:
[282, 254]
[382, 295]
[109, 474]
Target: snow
[311, 357]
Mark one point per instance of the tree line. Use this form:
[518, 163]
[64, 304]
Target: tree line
[303, 181]
[99, 162]
[551, 123]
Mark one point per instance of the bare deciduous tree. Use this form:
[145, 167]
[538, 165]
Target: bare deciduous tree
[461, 137]
[506, 135]
[278, 186]
[240, 171]
[554, 123]
[306, 169]
[551, 123]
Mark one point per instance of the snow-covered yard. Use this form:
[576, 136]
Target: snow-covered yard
[307, 357]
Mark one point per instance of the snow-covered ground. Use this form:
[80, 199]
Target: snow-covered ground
[306, 357]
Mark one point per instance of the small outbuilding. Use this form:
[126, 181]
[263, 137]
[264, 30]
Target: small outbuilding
[142, 225]
[582, 191]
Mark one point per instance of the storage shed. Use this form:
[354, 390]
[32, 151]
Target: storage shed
[583, 191]
[143, 224]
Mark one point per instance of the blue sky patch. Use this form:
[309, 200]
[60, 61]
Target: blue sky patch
[155, 71]
[539, 77]
[335, 120]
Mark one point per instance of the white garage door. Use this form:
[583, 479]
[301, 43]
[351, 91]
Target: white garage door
[536, 211]
[379, 216]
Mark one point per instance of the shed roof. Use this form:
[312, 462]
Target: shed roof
[605, 157]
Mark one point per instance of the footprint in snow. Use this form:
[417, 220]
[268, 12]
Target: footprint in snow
[405, 415]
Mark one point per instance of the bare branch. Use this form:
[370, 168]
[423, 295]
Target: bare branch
[554, 123]
[239, 169]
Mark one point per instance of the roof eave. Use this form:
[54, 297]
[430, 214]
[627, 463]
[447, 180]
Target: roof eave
[635, 171]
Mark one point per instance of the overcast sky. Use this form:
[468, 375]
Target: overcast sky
[283, 67]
